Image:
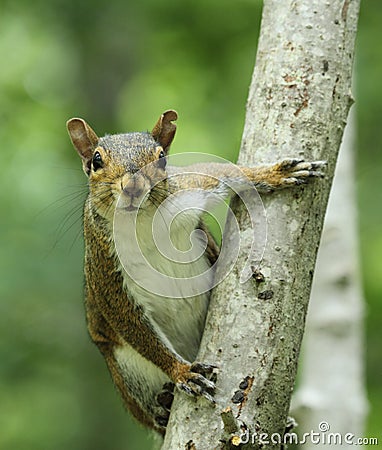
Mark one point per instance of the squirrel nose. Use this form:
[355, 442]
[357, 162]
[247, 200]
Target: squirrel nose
[134, 186]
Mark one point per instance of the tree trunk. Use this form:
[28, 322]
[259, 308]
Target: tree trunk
[333, 342]
[298, 104]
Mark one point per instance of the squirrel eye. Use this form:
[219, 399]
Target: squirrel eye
[162, 160]
[97, 161]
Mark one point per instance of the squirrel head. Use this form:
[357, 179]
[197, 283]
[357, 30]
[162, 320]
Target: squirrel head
[124, 170]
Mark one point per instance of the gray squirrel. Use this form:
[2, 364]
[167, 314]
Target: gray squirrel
[149, 341]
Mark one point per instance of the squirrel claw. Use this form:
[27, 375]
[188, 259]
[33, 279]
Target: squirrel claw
[187, 389]
[203, 369]
[297, 171]
[164, 401]
[203, 382]
[166, 396]
[209, 398]
[195, 383]
[162, 420]
[196, 391]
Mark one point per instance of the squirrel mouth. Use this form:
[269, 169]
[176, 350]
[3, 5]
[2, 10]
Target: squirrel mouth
[130, 208]
[129, 203]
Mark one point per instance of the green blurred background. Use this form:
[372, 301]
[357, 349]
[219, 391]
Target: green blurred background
[120, 64]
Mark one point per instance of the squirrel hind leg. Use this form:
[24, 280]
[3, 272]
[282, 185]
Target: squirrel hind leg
[164, 401]
[139, 389]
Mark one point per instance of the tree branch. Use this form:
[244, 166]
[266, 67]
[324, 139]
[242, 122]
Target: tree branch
[333, 343]
[297, 107]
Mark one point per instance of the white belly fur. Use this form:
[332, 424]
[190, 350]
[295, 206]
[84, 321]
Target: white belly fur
[178, 321]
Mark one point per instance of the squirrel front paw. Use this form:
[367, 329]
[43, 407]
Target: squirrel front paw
[193, 380]
[298, 171]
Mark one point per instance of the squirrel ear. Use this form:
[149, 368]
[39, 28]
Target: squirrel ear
[164, 130]
[84, 140]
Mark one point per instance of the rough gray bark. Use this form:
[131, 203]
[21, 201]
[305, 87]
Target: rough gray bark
[298, 104]
[333, 343]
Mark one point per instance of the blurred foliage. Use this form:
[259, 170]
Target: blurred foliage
[120, 64]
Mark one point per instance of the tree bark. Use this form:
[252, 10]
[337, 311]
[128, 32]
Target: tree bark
[333, 343]
[297, 107]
